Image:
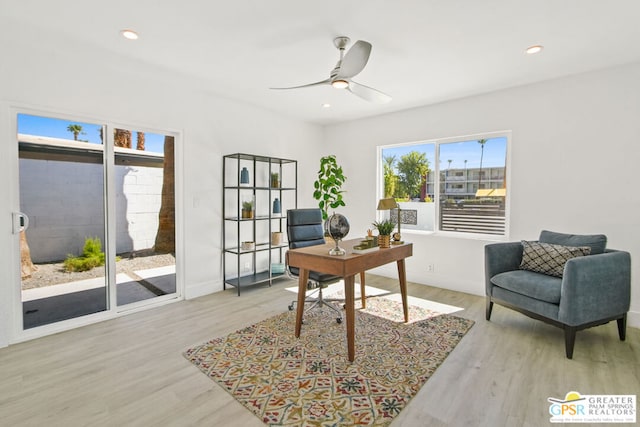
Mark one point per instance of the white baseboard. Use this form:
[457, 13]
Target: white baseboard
[202, 289]
[633, 319]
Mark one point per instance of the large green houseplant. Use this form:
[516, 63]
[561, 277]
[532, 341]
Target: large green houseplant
[328, 186]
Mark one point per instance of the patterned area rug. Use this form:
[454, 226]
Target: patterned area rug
[287, 381]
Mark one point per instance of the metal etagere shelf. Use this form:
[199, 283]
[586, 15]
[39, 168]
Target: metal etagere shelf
[269, 186]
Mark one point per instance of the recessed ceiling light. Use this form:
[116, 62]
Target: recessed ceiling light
[325, 105]
[129, 34]
[534, 49]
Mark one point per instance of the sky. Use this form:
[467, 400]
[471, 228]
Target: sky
[470, 150]
[57, 128]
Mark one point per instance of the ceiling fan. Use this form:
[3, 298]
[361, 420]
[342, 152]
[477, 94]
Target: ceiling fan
[350, 64]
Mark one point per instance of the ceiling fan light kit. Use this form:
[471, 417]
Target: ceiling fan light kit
[340, 84]
[349, 65]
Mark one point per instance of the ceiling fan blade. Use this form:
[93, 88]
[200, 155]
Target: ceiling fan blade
[323, 82]
[355, 59]
[367, 93]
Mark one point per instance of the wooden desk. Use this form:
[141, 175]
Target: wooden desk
[317, 258]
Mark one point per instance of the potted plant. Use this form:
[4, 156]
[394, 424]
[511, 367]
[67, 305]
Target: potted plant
[275, 180]
[247, 209]
[385, 228]
[328, 186]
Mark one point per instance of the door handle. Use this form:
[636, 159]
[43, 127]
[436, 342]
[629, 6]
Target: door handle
[20, 222]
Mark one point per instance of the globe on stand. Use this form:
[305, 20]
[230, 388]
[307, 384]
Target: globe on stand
[337, 227]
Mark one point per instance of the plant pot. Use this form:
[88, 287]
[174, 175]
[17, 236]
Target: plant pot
[247, 214]
[248, 246]
[276, 238]
[384, 241]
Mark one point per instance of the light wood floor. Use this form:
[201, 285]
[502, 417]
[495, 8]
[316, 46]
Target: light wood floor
[130, 371]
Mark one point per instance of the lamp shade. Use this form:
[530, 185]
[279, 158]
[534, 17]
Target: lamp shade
[386, 204]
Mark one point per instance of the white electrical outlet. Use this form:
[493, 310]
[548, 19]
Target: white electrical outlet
[431, 268]
[247, 266]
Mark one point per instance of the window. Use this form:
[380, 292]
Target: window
[450, 185]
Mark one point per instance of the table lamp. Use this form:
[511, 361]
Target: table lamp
[388, 204]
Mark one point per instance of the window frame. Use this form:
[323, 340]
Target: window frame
[16, 331]
[437, 174]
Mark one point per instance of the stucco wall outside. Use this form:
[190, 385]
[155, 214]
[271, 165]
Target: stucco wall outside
[65, 205]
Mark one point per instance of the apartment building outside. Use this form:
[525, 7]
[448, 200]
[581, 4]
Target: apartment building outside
[463, 183]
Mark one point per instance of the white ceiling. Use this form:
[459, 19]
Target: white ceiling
[424, 51]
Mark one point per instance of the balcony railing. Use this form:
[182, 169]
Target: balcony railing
[478, 218]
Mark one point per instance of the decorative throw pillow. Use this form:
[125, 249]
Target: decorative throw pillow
[549, 259]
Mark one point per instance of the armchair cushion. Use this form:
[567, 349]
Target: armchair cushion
[533, 285]
[597, 242]
[547, 258]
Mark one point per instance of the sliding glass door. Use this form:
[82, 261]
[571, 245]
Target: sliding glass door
[144, 216]
[96, 220]
[62, 181]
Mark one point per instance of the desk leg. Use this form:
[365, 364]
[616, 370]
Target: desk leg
[350, 315]
[402, 275]
[363, 297]
[302, 293]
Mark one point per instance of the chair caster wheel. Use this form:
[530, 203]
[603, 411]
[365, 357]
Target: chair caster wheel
[291, 308]
[339, 319]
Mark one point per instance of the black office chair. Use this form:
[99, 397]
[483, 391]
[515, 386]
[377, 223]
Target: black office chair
[305, 228]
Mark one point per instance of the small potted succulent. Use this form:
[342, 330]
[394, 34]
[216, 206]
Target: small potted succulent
[275, 180]
[247, 209]
[385, 228]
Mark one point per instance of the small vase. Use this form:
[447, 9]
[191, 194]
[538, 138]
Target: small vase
[384, 241]
[244, 176]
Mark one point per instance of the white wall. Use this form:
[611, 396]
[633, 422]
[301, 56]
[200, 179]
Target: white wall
[574, 163]
[76, 81]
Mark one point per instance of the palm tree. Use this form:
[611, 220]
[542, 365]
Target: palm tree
[466, 177]
[481, 142]
[122, 138]
[413, 167]
[140, 141]
[449, 167]
[166, 237]
[390, 178]
[26, 264]
[76, 130]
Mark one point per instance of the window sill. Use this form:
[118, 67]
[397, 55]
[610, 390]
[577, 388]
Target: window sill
[456, 235]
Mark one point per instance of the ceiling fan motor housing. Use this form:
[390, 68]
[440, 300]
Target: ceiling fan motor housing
[341, 42]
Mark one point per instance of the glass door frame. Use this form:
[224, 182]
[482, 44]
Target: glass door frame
[16, 331]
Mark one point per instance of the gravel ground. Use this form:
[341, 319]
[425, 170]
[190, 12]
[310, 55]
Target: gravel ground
[54, 273]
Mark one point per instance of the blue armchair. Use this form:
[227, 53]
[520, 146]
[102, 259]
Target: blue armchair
[594, 286]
